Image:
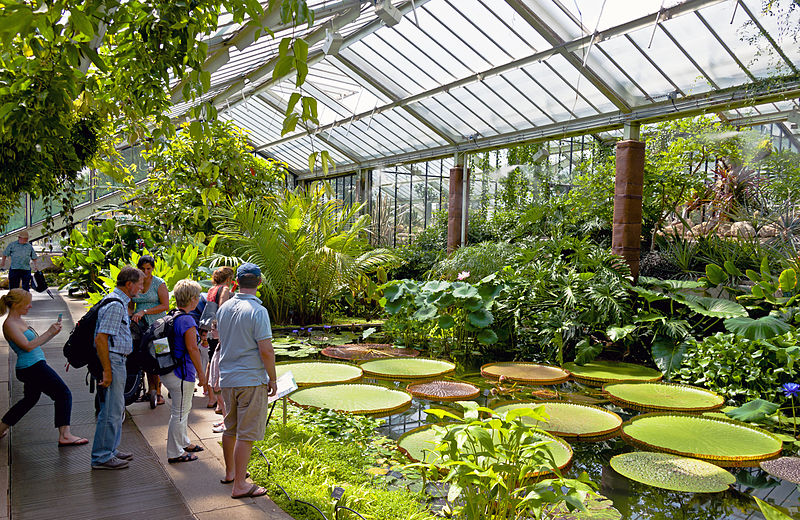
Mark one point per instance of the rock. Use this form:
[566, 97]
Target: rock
[704, 228]
[742, 229]
[724, 229]
[771, 230]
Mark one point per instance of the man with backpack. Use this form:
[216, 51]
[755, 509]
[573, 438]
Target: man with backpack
[114, 344]
[247, 377]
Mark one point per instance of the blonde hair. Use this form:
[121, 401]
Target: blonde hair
[14, 297]
[222, 275]
[184, 291]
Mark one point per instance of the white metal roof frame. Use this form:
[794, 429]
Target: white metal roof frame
[457, 76]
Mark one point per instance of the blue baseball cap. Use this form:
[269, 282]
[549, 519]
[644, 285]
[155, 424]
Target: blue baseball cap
[248, 268]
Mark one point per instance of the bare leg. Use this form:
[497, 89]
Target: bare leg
[65, 437]
[3, 429]
[241, 456]
[228, 443]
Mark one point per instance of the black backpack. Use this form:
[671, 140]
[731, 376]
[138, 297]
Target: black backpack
[162, 362]
[80, 349]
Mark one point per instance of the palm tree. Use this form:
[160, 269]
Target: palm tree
[309, 247]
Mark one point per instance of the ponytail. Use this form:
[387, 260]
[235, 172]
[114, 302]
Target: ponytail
[13, 297]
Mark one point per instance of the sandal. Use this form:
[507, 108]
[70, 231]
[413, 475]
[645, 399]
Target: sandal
[226, 481]
[193, 449]
[159, 400]
[186, 457]
[254, 491]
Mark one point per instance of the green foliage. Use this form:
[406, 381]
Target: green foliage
[310, 249]
[771, 512]
[77, 74]
[458, 314]
[87, 254]
[741, 369]
[563, 297]
[172, 265]
[753, 411]
[488, 463]
[194, 173]
[319, 451]
[478, 261]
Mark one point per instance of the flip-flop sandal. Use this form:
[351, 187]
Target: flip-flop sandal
[79, 442]
[223, 481]
[211, 405]
[193, 449]
[186, 457]
[159, 400]
[253, 493]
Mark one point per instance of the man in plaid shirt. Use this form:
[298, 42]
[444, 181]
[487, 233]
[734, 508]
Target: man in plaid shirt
[114, 344]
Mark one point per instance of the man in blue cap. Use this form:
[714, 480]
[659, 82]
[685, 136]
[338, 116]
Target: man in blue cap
[246, 376]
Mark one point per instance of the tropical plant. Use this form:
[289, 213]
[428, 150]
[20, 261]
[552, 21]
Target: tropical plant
[489, 465]
[479, 261]
[194, 173]
[87, 253]
[458, 314]
[172, 265]
[310, 249]
[738, 368]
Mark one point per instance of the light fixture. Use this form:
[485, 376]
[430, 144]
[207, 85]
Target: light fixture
[388, 13]
[333, 42]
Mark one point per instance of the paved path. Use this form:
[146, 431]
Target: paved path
[46, 482]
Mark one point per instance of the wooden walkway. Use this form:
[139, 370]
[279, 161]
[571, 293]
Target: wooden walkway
[47, 482]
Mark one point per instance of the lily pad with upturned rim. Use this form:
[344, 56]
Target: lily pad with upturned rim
[523, 372]
[444, 390]
[673, 472]
[663, 396]
[598, 373]
[415, 443]
[721, 441]
[359, 399]
[310, 373]
[367, 351]
[571, 420]
[407, 368]
[785, 468]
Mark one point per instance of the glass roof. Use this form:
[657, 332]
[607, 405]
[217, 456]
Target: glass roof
[456, 76]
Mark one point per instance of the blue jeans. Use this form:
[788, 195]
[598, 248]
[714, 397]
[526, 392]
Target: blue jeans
[108, 432]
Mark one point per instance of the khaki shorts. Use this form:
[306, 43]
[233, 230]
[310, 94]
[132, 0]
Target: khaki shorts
[245, 412]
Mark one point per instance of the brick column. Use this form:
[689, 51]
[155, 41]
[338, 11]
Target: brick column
[455, 209]
[627, 228]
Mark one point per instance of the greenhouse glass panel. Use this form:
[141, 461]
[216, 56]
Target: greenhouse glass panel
[782, 24]
[705, 50]
[398, 72]
[588, 93]
[610, 13]
[494, 22]
[636, 64]
[671, 60]
[468, 23]
[18, 219]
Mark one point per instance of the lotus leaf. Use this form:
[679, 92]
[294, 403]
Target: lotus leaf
[419, 445]
[407, 368]
[724, 442]
[753, 411]
[663, 396]
[672, 472]
[598, 372]
[571, 420]
[364, 351]
[525, 373]
[309, 373]
[444, 390]
[354, 398]
[785, 468]
[597, 507]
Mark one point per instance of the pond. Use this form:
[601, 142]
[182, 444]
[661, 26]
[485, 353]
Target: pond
[632, 499]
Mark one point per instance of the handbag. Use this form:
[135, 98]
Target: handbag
[38, 282]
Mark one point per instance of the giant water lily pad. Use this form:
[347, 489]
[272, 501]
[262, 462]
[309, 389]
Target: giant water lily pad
[666, 471]
[407, 368]
[785, 468]
[723, 442]
[571, 420]
[598, 373]
[663, 396]
[366, 351]
[353, 398]
[419, 445]
[310, 373]
[444, 390]
[525, 373]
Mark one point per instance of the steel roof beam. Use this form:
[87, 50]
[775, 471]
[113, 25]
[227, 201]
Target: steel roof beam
[546, 30]
[621, 30]
[724, 99]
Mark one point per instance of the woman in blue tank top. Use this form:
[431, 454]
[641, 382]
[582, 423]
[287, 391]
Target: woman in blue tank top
[32, 369]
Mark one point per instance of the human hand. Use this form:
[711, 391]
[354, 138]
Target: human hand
[54, 329]
[137, 316]
[272, 388]
[202, 380]
[106, 381]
